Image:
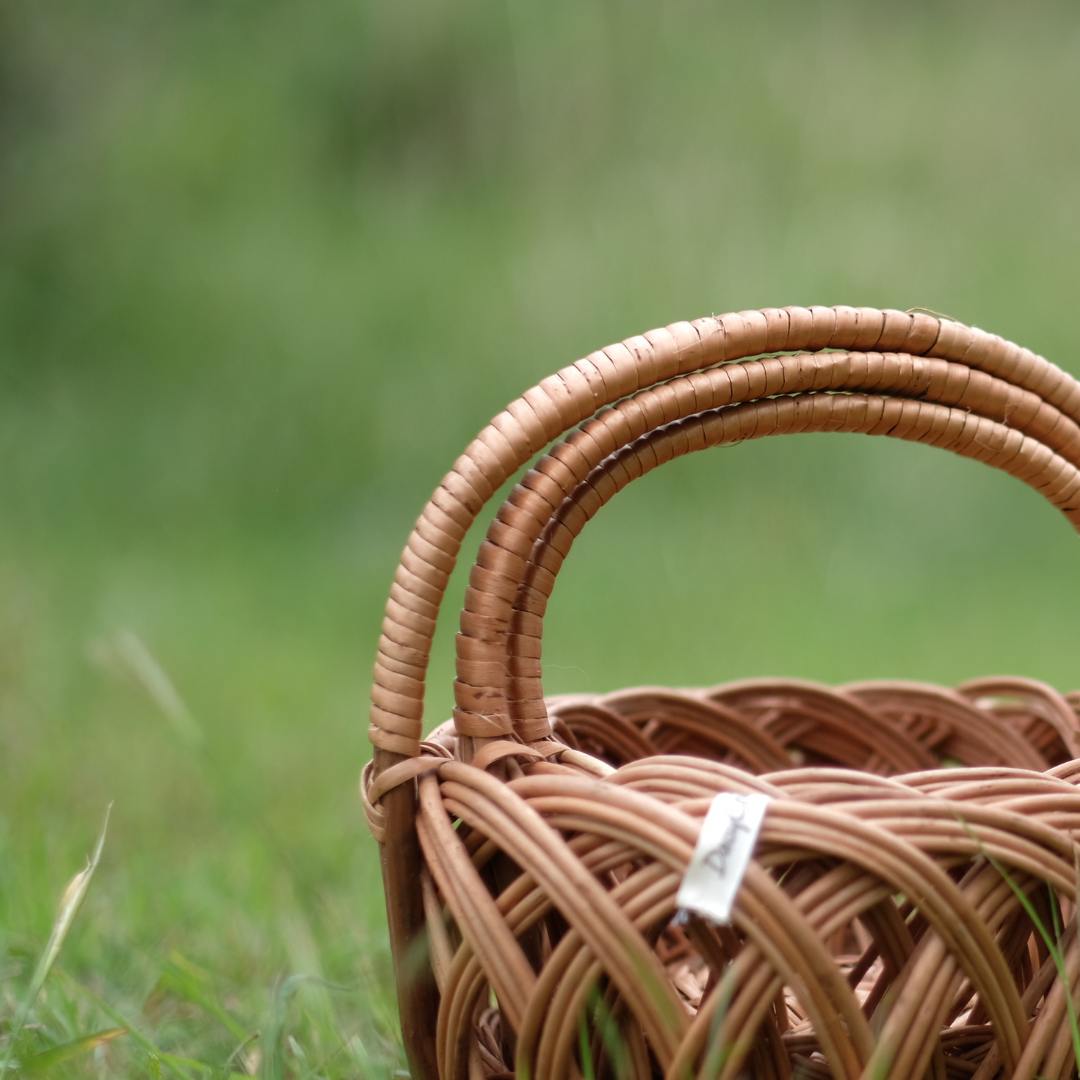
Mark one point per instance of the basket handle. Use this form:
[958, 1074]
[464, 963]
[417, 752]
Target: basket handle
[575, 393]
[1042, 448]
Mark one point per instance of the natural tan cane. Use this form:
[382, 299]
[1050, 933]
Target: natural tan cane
[532, 848]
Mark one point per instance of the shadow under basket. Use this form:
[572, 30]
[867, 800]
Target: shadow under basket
[910, 908]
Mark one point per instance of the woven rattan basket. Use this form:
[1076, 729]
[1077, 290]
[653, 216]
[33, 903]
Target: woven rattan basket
[910, 909]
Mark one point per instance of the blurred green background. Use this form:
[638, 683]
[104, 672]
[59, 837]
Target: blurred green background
[266, 267]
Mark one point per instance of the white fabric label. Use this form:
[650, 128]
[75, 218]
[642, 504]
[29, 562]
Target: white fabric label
[724, 848]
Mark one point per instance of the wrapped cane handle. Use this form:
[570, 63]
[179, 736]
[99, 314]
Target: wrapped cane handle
[564, 400]
[932, 401]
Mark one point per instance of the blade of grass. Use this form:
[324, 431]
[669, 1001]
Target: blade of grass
[57, 1055]
[191, 983]
[141, 664]
[273, 1035]
[1053, 945]
[610, 1036]
[70, 902]
[158, 1059]
[717, 1052]
[588, 1070]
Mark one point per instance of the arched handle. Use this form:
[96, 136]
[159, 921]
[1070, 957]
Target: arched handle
[512, 657]
[576, 392]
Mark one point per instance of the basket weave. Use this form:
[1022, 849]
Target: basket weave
[911, 906]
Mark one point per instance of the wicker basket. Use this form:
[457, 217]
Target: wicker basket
[910, 909]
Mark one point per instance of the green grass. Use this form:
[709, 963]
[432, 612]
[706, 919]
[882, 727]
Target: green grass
[1052, 940]
[264, 269]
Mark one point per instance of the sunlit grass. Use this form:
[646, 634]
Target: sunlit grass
[70, 903]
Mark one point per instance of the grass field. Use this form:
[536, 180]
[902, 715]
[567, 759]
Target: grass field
[265, 269]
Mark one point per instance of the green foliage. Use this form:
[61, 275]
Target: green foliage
[265, 269]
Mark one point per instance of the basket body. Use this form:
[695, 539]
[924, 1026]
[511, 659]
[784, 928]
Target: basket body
[910, 908]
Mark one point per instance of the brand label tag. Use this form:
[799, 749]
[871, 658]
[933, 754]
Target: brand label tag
[724, 848]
